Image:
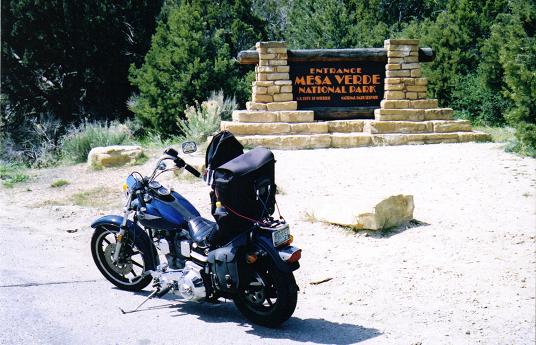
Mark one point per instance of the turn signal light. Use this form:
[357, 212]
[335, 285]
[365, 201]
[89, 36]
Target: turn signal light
[295, 256]
[250, 259]
[125, 187]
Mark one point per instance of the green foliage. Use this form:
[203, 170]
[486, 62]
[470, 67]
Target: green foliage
[204, 119]
[70, 58]
[474, 101]
[191, 53]
[59, 183]
[525, 143]
[11, 174]
[80, 140]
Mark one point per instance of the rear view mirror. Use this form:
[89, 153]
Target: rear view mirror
[189, 147]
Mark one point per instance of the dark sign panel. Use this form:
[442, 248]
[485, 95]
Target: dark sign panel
[337, 84]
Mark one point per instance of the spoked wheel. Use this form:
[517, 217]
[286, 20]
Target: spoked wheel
[269, 297]
[128, 272]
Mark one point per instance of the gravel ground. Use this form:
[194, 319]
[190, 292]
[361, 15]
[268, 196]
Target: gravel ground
[463, 273]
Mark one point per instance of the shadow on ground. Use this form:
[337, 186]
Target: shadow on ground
[319, 331]
[386, 233]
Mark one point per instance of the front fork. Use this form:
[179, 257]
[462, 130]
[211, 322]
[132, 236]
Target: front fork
[122, 229]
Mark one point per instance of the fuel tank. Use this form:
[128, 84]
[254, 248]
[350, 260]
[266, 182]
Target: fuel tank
[168, 212]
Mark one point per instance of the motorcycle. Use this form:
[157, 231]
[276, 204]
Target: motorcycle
[162, 238]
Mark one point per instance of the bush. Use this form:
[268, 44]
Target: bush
[203, 120]
[11, 173]
[78, 141]
[525, 141]
[474, 101]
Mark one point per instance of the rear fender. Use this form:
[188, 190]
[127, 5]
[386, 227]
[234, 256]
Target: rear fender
[136, 233]
[265, 244]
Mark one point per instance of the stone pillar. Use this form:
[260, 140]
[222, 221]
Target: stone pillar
[272, 88]
[405, 89]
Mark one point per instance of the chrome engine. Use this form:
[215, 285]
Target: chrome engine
[186, 282]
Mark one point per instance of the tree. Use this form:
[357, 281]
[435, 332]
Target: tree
[191, 54]
[70, 58]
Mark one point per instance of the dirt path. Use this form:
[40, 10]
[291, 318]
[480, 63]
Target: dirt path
[466, 275]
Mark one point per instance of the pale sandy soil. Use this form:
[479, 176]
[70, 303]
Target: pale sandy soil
[465, 275]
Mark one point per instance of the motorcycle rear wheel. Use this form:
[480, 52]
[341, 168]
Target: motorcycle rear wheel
[129, 272]
[270, 296]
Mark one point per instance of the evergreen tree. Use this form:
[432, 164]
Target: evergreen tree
[191, 54]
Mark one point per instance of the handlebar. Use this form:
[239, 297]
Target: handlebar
[179, 162]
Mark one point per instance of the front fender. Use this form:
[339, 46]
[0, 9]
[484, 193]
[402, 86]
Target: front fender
[137, 234]
[265, 243]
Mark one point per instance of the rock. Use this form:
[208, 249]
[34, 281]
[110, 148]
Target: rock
[114, 156]
[390, 212]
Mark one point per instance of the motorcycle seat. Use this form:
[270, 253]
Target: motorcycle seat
[200, 229]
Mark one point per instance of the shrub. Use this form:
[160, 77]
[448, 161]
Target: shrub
[204, 119]
[11, 173]
[78, 141]
[525, 139]
[59, 183]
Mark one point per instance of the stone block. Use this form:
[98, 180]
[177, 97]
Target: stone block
[283, 97]
[273, 89]
[263, 83]
[255, 106]
[254, 116]
[265, 69]
[259, 98]
[293, 105]
[282, 69]
[402, 47]
[340, 140]
[309, 128]
[283, 82]
[286, 88]
[475, 136]
[288, 142]
[411, 66]
[411, 59]
[451, 126]
[438, 114]
[392, 81]
[389, 139]
[345, 126]
[394, 104]
[408, 81]
[260, 90]
[422, 95]
[266, 56]
[277, 76]
[421, 81]
[416, 73]
[114, 156]
[271, 44]
[393, 60]
[392, 66]
[281, 56]
[394, 87]
[382, 127]
[277, 50]
[244, 128]
[277, 63]
[432, 138]
[393, 95]
[296, 116]
[399, 114]
[397, 54]
[423, 104]
[416, 88]
[411, 95]
[399, 73]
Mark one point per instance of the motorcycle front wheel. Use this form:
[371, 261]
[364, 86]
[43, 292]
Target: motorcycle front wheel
[128, 273]
[269, 296]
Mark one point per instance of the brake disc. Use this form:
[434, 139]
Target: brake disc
[121, 267]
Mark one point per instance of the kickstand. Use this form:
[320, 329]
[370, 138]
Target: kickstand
[142, 303]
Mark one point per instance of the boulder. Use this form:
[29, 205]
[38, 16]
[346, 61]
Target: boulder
[390, 212]
[114, 156]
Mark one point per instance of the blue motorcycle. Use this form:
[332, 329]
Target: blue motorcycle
[246, 255]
